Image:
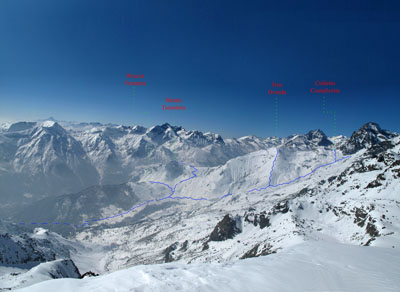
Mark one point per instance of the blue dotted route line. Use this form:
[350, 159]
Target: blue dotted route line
[292, 181]
[170, 196]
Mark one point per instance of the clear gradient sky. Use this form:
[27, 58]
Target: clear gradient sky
[69, 60]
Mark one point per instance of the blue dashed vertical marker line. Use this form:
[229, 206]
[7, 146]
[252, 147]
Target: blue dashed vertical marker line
[133, 97]
[276, 115]
[331, 115]
[334, 123]
[334, 131]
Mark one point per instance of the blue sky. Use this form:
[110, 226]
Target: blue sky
[69, 60]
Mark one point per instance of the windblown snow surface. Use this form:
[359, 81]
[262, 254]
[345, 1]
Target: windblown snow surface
[311, 266]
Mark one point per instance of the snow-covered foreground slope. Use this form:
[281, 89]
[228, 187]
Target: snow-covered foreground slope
[312, 266]
[43, 272]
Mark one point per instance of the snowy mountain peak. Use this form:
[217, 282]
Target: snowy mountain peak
[371, 126]
[367, 136]
[161, 134]
[48, 124]
[138, 130]
[49, 127]
[318, 137]
[313, 138]
[173, 128]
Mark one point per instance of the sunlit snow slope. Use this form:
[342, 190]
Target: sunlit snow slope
[314, 266]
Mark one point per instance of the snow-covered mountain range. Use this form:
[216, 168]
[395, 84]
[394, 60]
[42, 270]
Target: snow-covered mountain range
[165, 194]
[44, 159]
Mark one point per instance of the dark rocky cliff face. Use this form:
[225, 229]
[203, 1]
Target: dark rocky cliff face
[227, 228]
[319, 138]
[368, 135]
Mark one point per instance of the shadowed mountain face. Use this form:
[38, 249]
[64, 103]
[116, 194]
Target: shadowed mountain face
[38, 160]
[74, 209]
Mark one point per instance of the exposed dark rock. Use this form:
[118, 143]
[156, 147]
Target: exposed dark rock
[267, 250]
[372, 230]
[251, 253]
[373, 184]
[264, 221]
[395, 163]
[368, 135]
[303, 192]
[168, 252]
[184, 246]
[257, 219]
[342, 178]
[369, 241]
[227, 228]
[281, 207]
[318, 137]
[256, 252]
[332, 178]
[372, 167]
[377, 182]
[360, 216]
[396, 173]
[381, 177]
[374, 150]
[88, 275]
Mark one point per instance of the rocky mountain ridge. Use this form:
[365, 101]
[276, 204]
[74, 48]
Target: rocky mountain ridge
[260, 202]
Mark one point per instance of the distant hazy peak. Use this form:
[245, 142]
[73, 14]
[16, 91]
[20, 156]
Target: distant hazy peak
[21, 126]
